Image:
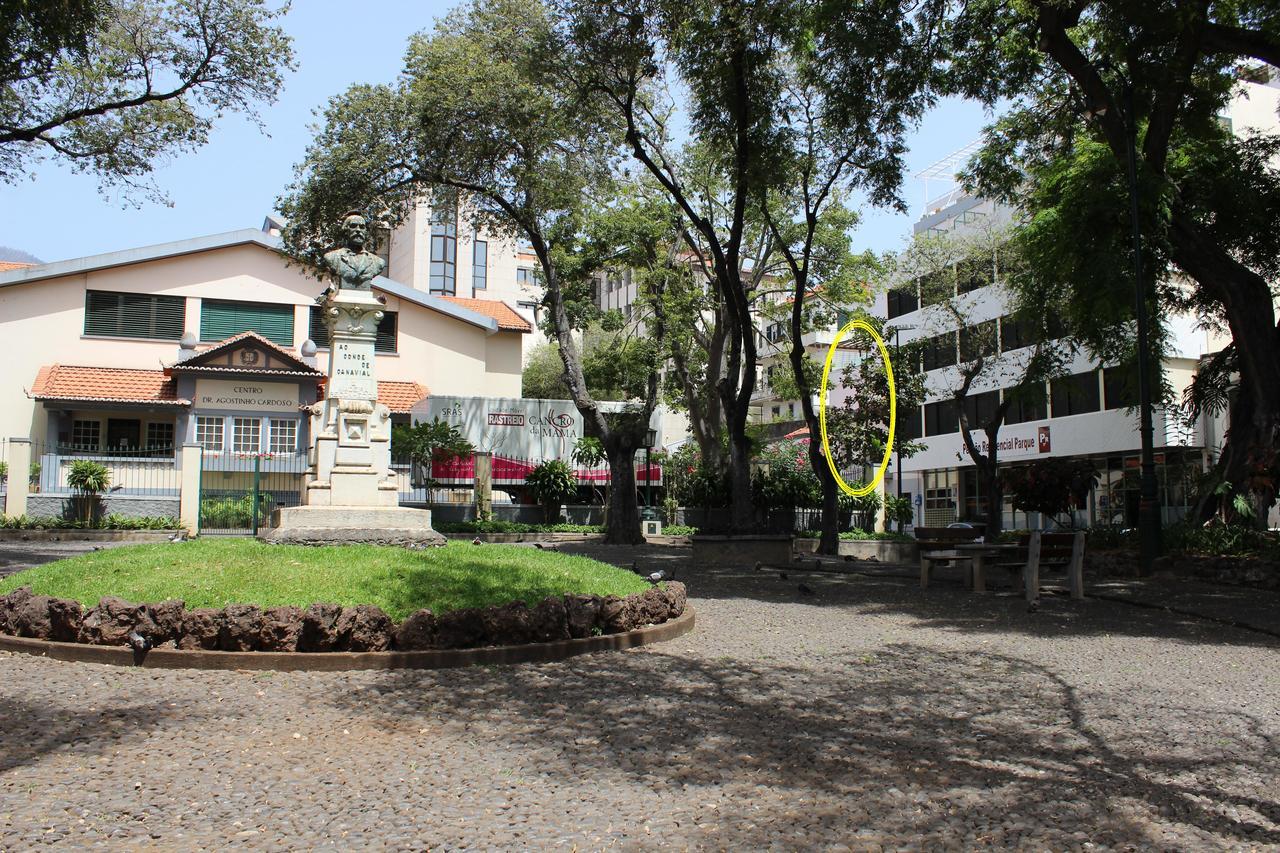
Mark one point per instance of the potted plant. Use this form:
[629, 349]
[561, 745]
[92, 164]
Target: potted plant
[33, 476]
[552, 483]
[89, 480]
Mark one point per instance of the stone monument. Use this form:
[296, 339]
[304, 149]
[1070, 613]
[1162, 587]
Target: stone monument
[351, 492]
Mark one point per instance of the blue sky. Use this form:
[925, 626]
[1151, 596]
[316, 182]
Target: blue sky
[234, 180]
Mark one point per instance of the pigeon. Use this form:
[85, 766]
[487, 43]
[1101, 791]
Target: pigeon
[804, 589]
[138, 642]
[477, 541]
[656, 577]
[180, 536]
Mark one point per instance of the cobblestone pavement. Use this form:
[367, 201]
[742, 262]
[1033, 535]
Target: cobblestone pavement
[16, 556]
[867, 714]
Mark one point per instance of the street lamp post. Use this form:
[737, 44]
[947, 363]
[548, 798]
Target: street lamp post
[897, 445]
[1149, 544]
[1149, 499]
[650, 439]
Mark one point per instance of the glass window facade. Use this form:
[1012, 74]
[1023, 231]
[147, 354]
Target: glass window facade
[1075, 395]
[444, 251]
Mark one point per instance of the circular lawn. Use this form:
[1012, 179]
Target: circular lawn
[213, 573]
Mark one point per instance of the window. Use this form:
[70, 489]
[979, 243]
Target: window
[937, 287]
[978, 341]
[246, 435]
[1120, 387]
[159, 436]
[1014, 334]
[444, 251]
[480, 265]
[124, 434]
[775, 332]
[777, 412]
[1028, 405]
[134, 315]
[908, 426]
[903, 302]
[940, 351]
[221, 319]
[981, 408]
[284, 435]
[524, 277]
[1075, 395]
[970, 277]
[86, 435]
[209, 432]
[385, 342]
[940, 418]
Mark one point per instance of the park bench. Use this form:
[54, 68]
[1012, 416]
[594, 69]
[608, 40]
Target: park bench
[1040, 551]
[937, 545]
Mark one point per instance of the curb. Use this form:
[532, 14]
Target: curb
[72, 534]
[347, 661]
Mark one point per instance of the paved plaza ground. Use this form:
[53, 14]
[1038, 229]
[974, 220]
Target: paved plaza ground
[868, 714]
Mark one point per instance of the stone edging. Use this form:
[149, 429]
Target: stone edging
[345, 661]
[72, 534]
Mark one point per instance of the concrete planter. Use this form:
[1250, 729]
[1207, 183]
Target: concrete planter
[743, 550]
[73, 535]
[883, 551]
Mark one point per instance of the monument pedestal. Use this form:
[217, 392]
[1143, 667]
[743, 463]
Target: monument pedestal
[345, 525]
[351, 494]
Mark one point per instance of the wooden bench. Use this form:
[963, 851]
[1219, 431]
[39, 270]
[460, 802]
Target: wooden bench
[1038, 551]
[937, 545]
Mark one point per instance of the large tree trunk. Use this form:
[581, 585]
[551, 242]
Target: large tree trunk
[829, 543]
[623, 527]
[1249, 460]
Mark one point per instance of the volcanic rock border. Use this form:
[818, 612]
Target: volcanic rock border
[363, 636]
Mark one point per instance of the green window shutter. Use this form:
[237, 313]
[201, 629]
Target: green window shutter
[386, 341]
[317, 331]
[221, 319]
[134, 315]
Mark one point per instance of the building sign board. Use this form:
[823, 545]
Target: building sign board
[515, 428]
[246, 395]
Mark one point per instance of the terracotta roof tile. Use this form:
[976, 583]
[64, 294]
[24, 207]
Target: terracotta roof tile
[400, 397]
[508, 318]
[105, 384]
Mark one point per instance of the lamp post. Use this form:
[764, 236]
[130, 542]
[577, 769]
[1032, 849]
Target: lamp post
[1149, 543]
[897, 445]
[650, 439]
[1149, 498]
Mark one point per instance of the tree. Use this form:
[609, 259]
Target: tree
[1080, 78]
[112, 86]
[543, 375]
[948, 267]
[1051, 486]
[552, 483]
[426, 442]
[480, 119]
[732, 61]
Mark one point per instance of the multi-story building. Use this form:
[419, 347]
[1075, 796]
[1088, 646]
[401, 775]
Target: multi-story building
[1088, 412]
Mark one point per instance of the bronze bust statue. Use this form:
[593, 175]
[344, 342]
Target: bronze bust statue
[353, 265]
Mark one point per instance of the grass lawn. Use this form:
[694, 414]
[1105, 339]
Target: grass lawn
[211, 572]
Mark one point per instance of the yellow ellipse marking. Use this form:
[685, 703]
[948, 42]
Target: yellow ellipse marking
[893, 409]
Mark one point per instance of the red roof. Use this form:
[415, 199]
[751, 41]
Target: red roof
[400, 397]
[508, 318]
[105, 384]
